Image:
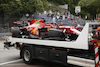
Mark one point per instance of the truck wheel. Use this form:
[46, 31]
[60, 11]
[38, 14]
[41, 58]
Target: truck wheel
[27, 55]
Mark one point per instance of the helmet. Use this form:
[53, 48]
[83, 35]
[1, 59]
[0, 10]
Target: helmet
[98, 29]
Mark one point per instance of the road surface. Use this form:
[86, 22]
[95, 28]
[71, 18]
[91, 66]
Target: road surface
[11, 58]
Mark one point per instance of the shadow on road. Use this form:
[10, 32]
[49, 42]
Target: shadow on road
[42, 63]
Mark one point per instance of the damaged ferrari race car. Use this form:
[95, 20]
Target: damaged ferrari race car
[39, 29]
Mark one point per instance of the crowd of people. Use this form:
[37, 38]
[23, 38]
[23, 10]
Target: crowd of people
[66, 19]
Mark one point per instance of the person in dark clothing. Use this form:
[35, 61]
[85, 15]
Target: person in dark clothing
[96, 34]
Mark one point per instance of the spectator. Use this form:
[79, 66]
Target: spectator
[54, 19]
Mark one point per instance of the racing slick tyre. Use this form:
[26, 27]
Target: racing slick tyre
[79, 29]
[73, 36]
[56, 33]
[15, 32]
[27, 55]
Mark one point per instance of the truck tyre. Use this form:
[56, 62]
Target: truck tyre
[15, 32]
[27, 55]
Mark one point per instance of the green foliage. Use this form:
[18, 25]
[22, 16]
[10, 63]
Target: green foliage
[18, 8]
[71, 4]
[90, 6]
[15, 7]
[31, 6]
[45, 4]
[84, 3]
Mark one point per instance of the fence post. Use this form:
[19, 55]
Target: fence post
[96, 50]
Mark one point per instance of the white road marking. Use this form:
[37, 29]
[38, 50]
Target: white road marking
[10, 62]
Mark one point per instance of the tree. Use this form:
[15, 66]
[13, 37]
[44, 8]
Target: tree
[20, 7]
[71, 4]
[90, 6]
[45, 4]
[8, 7]
[31, 6]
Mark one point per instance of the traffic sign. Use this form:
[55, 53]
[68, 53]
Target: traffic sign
[66, 6]
[61, 6]
[77, 9]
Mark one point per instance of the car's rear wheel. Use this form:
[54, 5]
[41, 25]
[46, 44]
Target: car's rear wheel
[15, 32]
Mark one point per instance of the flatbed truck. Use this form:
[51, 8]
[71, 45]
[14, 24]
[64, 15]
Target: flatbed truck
[79, 52]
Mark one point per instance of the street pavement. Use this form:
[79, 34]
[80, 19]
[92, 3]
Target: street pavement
[8, 55]
[11, 58]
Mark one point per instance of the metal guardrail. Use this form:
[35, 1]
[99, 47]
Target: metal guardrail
[4, 34]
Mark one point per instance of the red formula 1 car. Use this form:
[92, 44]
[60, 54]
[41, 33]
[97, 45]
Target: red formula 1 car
[40, 29]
